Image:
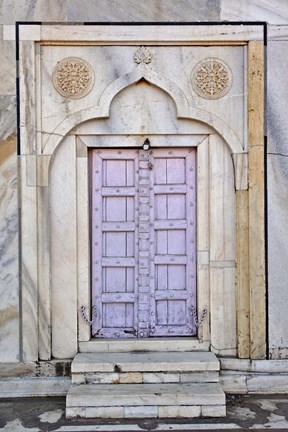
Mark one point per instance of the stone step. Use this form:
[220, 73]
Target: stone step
[152, 367]
[145, 362]
[146, 401]
[151, 344]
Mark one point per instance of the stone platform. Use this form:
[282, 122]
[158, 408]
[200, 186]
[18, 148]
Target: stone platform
[145, 385]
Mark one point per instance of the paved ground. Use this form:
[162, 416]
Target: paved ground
[47, 414]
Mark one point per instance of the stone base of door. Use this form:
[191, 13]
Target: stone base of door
[145, 385]
[147, 345]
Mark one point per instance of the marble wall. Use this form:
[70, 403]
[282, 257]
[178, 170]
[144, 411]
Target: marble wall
[9, 326]
[275, 13]
[277, 157]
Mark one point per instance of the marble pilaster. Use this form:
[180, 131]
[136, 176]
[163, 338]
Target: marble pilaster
[9, 302]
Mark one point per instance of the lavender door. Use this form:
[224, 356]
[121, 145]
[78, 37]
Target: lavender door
[143, 242]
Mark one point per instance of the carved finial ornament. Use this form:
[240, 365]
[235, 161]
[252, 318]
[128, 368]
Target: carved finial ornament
[73, 77]
[142, 55]
[211, 78]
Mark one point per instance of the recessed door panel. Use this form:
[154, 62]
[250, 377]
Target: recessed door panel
[114, 243]
[143, 242]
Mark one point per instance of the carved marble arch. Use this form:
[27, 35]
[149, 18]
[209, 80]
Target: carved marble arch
[143, 72]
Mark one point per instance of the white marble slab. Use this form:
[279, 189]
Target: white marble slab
[277, 33]
[149, 35]
[133, 10]
[275, 12]
[7, 117]
[40, 10]
[9, 302]
[7, 66]
[64, 252]
[145, 394]
[36, 386]
[9, 285]
[145, 362]
[155, 344]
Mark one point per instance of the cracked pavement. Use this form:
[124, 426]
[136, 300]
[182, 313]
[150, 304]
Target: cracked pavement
[245, 412]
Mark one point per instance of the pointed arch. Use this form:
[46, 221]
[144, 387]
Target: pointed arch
[184, 110]
[144, 72]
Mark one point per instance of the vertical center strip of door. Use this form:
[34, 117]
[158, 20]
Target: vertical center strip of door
[144, 243]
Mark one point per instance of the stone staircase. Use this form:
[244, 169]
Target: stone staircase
[145, 385]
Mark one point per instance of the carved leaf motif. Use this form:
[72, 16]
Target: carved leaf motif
[211, 78]
[73, 77]
[142, 55]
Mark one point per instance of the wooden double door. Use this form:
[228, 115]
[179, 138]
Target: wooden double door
[143, 224]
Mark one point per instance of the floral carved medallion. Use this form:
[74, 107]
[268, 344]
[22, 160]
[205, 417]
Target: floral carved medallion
[211, 78]
[73, 77]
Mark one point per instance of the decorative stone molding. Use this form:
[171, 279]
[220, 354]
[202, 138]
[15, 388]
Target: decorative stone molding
[142, 55]
[211, 78]
[73, 77]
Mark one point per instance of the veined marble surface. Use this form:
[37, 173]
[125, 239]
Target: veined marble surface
[7, 66]
[277, 195]
[150, 10]
[9, 324]
[35, 10]
[275, 12]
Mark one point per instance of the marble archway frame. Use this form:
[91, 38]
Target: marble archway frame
[34, 171]
[212, 262]
[216, 240]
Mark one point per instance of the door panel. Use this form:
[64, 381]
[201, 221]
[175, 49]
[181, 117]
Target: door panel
[114, 231]
[173, 185]
[143, 242]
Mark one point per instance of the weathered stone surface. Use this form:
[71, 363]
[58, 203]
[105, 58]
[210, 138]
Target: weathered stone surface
[9, 302]
[215, 411]
[233, 383]
[267, 384]
[179, 411]
[256, 200]
[145, 395]
[39, 10]
[7, 117]
[111, 378]
[159, 377]
[140, 411]
[7, 66]
[133, 10]
[40, 369]
[160, 345]
[105, 412]
[258, 10]
[277, 196]
[145, 362]
[36, 386]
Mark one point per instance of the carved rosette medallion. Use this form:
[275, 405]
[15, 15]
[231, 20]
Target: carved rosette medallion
[73, 77]
[211, 78]
[142, 55]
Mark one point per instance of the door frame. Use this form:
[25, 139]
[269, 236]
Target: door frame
[217, 329]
